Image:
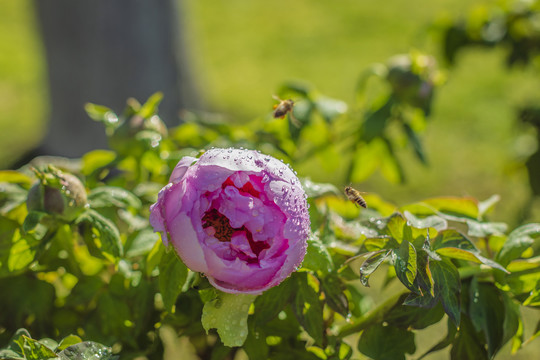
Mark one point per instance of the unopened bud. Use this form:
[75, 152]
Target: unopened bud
[57, 193]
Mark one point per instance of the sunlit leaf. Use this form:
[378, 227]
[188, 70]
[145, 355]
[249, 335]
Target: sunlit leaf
[101, 233]
[105, 196]
[87, 350]
[518, 241]
[405, 264]
[228, 314]
[317, 257]
[172, 276]
[371, 264]
[15, 177]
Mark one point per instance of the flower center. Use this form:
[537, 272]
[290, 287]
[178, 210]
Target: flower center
[220, 223]
[224, 232]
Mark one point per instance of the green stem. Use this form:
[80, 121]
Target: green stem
[372, 317]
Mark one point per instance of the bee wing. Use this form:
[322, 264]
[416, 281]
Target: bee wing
[276, 98]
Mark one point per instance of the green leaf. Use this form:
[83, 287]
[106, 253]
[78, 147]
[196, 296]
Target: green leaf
[333, 289]
[87, 350]
[228, 314]
[68, 341]
[316, 190]
[433, 221]
[390, 165]
[15, 177]
[12, 196]
[386, 342]
[308, 309]
[413, 317]
[486, 311]
[453, 244]
[273, 301]
[416, 143]
[106, 196]
[466, 345]
[102, 114]
[396, 226]
[518, 241]
[484, 229]
[32, 220]
[101, 234]
[405, 264]
[447, 287]
[150, 107]
[255, 344]
[424, 277]
[172, 277]
[23, 251]
[142, 243]
[317, 256]
[330, 108]
[447, 340]
[35, 350]
[96, 159]
[371, 264]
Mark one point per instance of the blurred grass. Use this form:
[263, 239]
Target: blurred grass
[243, 51]
[23, 97]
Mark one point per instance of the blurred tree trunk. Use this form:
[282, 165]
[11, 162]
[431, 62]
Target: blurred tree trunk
[104, 51]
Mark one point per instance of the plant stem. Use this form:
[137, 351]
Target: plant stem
[371, 317]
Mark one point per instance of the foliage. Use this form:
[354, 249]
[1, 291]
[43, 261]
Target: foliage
[512, 25]
[94, 268]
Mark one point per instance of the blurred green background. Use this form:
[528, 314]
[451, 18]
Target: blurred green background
[241, 52]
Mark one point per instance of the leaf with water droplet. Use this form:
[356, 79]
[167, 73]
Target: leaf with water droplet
[232, 308]
[371, 264]
[405, 265]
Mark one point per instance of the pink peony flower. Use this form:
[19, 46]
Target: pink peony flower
[238, 216]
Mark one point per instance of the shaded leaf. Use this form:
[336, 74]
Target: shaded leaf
[466, 345]
[386, 342]
[273, 301]
[308, 309]
[447, 340]
[447, 287]
[333, 289]
[486, 311]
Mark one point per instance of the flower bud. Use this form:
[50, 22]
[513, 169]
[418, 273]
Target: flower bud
[57, 193]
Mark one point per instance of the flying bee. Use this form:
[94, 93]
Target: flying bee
[355, 197]
[283, 108]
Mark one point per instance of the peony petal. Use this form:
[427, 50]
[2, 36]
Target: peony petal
[181, 168]
[186, 242]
